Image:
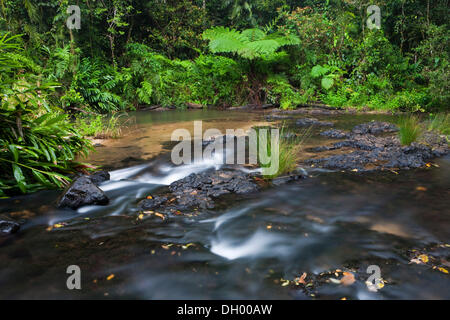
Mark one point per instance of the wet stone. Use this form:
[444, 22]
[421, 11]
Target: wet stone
[307, 122]
[198, 190]
[8, 226]
[82, 192]
[99, 177]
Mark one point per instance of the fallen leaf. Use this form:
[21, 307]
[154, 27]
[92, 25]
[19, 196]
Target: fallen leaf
[421, 188]
[285, 283]
[141, 217]
[188, 245]
[149, 197]
[110, 277]
[443, 270]
[301, 280]
[417, 261]
[348, 279]
[160, 215]
[423, 258]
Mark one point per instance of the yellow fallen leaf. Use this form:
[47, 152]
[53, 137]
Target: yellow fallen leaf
[285, 283]
[110, 277]
[428, 165]
[269, 227]
[355, 170]
[141, 217]
[423, 258]
[420, 188]
[443, 270]
[188, 245]
[58, 225]
[149, 197]
[160, 215]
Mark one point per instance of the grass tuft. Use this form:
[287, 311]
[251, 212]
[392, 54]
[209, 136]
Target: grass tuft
[439, 123]
[410, 129]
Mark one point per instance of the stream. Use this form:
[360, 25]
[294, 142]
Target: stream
[246, 248]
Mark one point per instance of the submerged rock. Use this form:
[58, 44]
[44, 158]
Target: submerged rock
[276, 117]
[335, 134]
[82, 192]
[8, 225]
[278, 181]
[374, 127]
[307, 122]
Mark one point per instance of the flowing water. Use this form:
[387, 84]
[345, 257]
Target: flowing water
[248, 247]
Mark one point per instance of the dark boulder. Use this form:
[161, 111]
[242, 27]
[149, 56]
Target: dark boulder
[199, 189]
[99, 177]
[82, 192]
[8, 225]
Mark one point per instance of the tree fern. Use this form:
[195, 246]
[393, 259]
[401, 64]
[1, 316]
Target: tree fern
[250, 43]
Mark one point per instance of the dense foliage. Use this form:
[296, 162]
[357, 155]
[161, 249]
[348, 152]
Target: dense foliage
[128, 54]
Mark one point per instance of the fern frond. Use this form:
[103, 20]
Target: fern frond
[254, 34]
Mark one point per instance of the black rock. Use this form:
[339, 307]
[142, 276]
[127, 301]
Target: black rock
[99, 177]
[82, 192]
[199, 189]
[8, 225]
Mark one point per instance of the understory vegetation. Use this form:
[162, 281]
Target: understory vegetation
[57, 83]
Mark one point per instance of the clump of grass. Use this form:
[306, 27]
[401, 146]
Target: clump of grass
[439, 123]
[101, 127]
[289, 149]
[410, 129]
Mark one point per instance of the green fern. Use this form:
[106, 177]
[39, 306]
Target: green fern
[250, 43]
